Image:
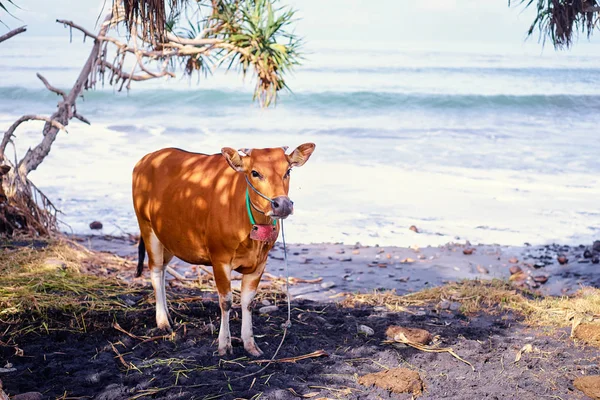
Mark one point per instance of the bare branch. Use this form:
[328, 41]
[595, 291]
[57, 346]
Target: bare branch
[132, 77]
[81, 118]
[50, 87]
[192, 42]
[12, 33]
[10, 132]
[78, 27]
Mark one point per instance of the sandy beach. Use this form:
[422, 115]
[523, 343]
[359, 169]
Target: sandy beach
[342, 268]
[481, 340]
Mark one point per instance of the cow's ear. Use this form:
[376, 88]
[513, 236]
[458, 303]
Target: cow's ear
[301, 154]
[4, 169]
[233, 158]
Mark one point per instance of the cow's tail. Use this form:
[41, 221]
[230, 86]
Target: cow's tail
[141, 257]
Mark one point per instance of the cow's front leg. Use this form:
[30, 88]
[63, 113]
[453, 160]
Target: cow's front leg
[249, 286]
[223, 280]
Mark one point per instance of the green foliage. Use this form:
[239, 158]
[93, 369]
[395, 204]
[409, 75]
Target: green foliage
[4, 5]
[255, 38]
[560, 20]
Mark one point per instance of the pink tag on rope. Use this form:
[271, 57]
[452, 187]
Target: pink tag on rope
[264, 233]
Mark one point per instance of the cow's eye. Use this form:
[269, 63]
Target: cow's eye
[255, 174]
[287, 174]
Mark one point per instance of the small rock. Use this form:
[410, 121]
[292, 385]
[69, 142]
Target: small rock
[414, 229]
[540, 279]
[265, 302]
[596, 246]
[595, 260]
[515, 269]
[407, 261]
[455, 306]
[589, 333]
[96, 225]
[327, 285]
[341, 251]
[422, 257]
[28, 396]
[268, 309]
[346, 259]
[468, 251]
[539, 265]
[587, 254]
[355, 252]
[366, 330]
[583, 261]
[482, 270]
[412, 334]
[397, 380]
[513, 260]
[590, 385]
[388, 256]
[518, 277]
[444, 305]
[562, 260]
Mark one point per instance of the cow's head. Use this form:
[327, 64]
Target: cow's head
[3, 171]
[268, 171]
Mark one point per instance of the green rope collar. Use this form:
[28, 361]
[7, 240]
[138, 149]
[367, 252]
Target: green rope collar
[252, 220]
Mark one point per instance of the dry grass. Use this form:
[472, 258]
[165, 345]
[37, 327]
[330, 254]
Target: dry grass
[38, 280]
[39, 283]
[493, 296]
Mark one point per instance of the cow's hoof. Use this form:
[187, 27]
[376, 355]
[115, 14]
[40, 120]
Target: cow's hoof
[253, 350]
[226, 350]
[164, 326]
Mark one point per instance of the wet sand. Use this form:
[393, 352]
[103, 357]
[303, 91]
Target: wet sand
[356, 268]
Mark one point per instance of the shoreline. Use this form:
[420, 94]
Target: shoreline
[336, 268]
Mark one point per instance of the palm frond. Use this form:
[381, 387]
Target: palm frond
[561, 20]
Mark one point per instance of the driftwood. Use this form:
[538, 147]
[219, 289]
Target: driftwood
[26, 209]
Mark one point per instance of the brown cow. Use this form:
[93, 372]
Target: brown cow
[199, 208]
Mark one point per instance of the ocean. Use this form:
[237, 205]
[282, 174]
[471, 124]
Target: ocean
[487, 145]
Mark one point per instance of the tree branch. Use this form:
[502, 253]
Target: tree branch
[132, 77]
[50, 87]
[592, 9]
[78, 27]
[12, 33]
[10, 132]
[81, 118]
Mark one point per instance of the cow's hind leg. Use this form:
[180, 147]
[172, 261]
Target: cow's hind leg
[222, 274]
[158, 258]
[249, 286]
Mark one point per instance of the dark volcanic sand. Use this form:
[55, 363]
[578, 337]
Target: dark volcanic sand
[81, 364]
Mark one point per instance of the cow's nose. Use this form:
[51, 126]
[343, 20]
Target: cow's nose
[282, 206]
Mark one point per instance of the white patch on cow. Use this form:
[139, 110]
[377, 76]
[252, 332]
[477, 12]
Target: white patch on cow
[247, 335]
[224, 334]
[247, 298]
[157, 275]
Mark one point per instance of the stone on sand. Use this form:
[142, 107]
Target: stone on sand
[414, 335]
[396, 380]
[590, 385]
[589, 333]
[268, 309]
